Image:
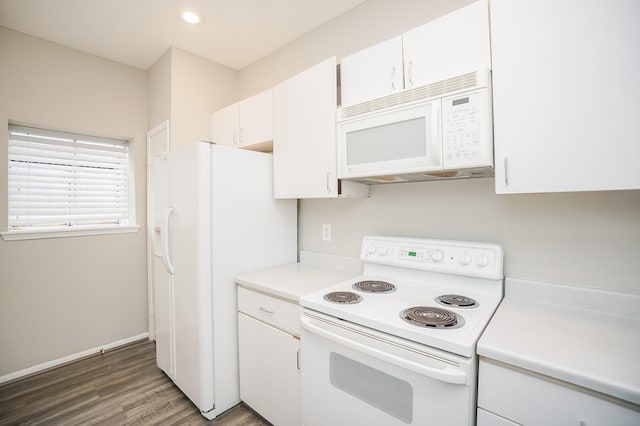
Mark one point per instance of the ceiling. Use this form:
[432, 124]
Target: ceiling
[233, 33]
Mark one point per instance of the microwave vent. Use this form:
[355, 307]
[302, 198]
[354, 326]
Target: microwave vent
[440, 88]
[475, 172]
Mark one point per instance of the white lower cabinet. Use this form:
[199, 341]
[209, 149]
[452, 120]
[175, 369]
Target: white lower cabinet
[508, 396]
[269, 357]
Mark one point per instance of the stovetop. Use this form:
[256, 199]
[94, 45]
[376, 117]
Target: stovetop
[420, 277]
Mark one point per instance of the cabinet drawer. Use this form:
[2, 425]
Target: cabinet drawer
[534, 400]
[277, 312]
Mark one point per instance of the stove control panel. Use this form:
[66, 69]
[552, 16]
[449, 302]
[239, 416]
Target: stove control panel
[452, 257]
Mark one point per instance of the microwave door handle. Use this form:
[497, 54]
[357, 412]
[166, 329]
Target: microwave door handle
[436, 134]
[393, 78]
[506, 171]
[448, 375]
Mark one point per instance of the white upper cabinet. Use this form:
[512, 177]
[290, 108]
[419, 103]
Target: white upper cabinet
[452, 45]
[224, 125]
[455, 44]
[245, 123]
[372, 72]
[256, 119]
[565, 95]
[304, 134]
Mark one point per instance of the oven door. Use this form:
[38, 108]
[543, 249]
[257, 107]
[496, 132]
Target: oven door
[352, 375]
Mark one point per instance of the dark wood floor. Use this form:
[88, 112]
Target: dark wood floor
[119, 387]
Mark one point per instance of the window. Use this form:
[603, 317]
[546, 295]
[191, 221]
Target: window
[62, 182]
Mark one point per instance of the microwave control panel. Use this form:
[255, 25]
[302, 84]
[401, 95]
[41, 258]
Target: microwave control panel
[464, 138]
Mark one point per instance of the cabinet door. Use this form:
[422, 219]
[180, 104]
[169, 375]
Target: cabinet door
[372, 72]
[528, 399]
[256, 119]
[224, 126]
[455, 44]
[269, 375]
[565, 94]
[304, 134]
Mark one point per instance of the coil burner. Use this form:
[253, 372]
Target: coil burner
[374, 287]
[456, 301]
[342, 297]
[429, 316]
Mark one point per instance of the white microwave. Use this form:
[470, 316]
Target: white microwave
[438, 131]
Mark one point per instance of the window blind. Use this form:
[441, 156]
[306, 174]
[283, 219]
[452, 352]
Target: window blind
[65, 179]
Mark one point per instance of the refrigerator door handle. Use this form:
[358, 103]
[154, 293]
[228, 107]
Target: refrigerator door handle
[164, 236]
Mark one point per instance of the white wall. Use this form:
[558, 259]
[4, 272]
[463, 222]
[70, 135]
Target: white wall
[186, 89]
[198, 88]
[585, 239]
[159, 91]
[65, 295]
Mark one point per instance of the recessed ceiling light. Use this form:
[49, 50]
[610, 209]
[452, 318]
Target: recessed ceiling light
[190, 17]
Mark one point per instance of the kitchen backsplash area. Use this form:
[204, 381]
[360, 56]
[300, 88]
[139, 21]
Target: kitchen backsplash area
[585, 239]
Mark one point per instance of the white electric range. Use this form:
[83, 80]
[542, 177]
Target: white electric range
[396, 345]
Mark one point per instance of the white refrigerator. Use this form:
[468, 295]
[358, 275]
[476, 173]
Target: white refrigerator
[215, 218]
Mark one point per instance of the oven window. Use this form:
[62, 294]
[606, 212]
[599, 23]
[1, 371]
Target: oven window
[376, 388]
[395, 141]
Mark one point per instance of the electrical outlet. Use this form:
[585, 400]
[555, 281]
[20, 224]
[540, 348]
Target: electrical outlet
[326, 232]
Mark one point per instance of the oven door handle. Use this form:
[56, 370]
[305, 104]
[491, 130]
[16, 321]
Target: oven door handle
[448, 375]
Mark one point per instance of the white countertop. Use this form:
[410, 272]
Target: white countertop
[314, 272]
[572, 334]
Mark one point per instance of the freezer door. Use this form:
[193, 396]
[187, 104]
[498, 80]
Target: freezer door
[159, 174]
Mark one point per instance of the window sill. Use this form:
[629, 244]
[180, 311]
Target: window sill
[67, 232]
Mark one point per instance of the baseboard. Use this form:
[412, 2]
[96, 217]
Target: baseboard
[71, 358]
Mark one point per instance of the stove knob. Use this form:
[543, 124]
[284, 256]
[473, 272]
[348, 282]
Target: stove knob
[436, 256]
[465, 259]
[482, 260]
[371, 249]
[383, 250]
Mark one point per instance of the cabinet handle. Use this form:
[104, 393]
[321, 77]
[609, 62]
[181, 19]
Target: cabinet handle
[506, 171]
[329, 181]
[298, 359]
[410, 73]
[393, 78]
[235, 137]
[266, 310]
